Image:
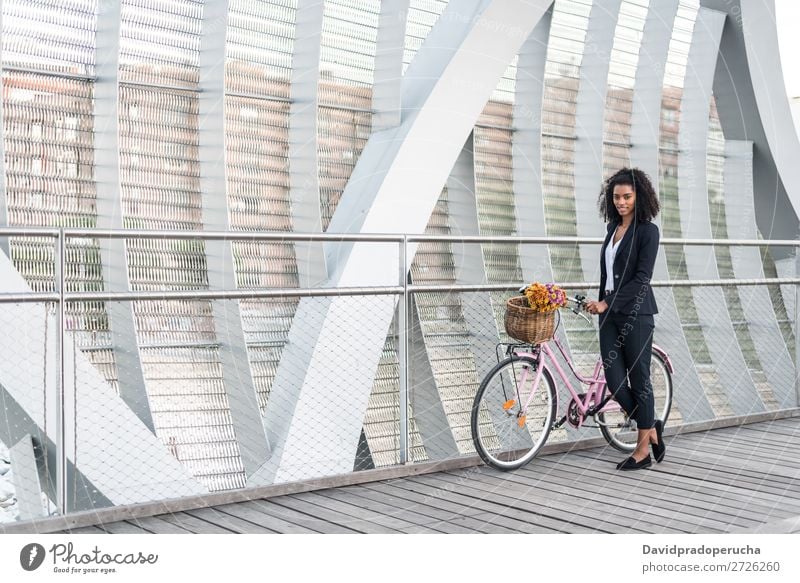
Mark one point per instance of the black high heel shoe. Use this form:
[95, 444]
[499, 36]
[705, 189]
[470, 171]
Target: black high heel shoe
[659, 448]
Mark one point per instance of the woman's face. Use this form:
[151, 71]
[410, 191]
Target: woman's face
[624, 200]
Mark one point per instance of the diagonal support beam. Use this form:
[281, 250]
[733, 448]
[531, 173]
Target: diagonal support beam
[314, 427]
[691, 399]
[304, 159]
[113, 253]
[777, 364]
[535, 260]
[701, 262]
[386, 89]
[236, 371]
[26, 479]
[589, 115]
[117, 452]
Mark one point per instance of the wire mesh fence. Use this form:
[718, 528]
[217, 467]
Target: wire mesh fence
[120, 397]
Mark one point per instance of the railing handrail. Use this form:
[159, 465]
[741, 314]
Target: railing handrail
[271, 293]
[403, 290]
[595, 240]
[359, 237]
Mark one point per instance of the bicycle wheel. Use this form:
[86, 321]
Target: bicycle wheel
[619, 430]
[505, 436]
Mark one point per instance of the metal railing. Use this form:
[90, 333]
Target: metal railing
[404, 291]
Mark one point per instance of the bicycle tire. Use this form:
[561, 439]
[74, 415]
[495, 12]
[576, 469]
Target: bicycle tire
[497, 434]
[620, 432]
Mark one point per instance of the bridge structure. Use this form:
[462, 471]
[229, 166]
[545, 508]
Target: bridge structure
[248, 248]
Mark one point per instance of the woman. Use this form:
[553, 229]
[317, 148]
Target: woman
[626, 305]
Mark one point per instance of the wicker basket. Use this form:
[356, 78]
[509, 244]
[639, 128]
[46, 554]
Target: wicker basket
[526, 324]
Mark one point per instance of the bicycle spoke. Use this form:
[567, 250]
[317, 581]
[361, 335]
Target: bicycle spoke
[512, 413]
[619, 430]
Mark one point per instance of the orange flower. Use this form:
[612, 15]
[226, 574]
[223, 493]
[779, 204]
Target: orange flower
[545, 297]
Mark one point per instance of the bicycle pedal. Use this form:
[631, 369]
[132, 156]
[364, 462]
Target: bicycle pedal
[508, 404]
[522, 420]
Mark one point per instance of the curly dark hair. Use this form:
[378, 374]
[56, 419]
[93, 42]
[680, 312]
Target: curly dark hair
[646, 206]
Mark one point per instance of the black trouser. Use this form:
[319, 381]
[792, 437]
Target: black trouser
[626, 342]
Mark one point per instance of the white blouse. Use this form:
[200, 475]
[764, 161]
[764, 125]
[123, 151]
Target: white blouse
[611, 251]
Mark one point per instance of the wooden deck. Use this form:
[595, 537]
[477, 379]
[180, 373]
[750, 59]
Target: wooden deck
[736, 479]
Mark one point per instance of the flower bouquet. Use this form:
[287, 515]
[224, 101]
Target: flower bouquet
[531, 318]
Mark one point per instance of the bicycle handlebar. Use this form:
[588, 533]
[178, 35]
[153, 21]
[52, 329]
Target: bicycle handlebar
[580, 302]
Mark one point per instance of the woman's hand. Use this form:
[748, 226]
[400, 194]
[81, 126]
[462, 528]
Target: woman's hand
[596, 307]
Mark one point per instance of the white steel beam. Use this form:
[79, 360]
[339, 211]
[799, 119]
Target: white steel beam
[691, 400]
[314, 426]
[237, 377]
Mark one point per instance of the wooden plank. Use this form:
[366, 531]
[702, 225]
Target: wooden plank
[706, 476]
[480, 521]
[300, 518]
[731, 454]
[746, 469]
[270, 520]
[746, 437]
[734, 421]
[525, 499]
[87, 530]
[375, 503]
[422, 515]
[525, 513]
[514, 494]
[755, 456]
[254, 515]
[459, 502]
[368, 510]
[628, 512]
[746, 474]
[785, 450]
[767, 430]
[210, 499]
[747, 443]
[772, 434]
[322, 509]
[769, 433]
[124, 527]
[693, 493]
[566, 491]
[788, 420]
[194, 524]
[789, 525]
[158, 526]
[791, 423]
[775, 429]
[225, 520]
[611, 485]
[713, 469]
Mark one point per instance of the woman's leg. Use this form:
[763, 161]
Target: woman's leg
[638, 352]
[612, 352]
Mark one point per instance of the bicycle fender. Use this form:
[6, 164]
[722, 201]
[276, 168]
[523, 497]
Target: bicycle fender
[663, 354]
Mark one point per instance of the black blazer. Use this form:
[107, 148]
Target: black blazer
[633, 268]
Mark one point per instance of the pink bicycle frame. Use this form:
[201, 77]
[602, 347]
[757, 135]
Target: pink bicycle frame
[596, 384]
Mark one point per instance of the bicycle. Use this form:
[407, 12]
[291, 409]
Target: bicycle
[511, 418]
